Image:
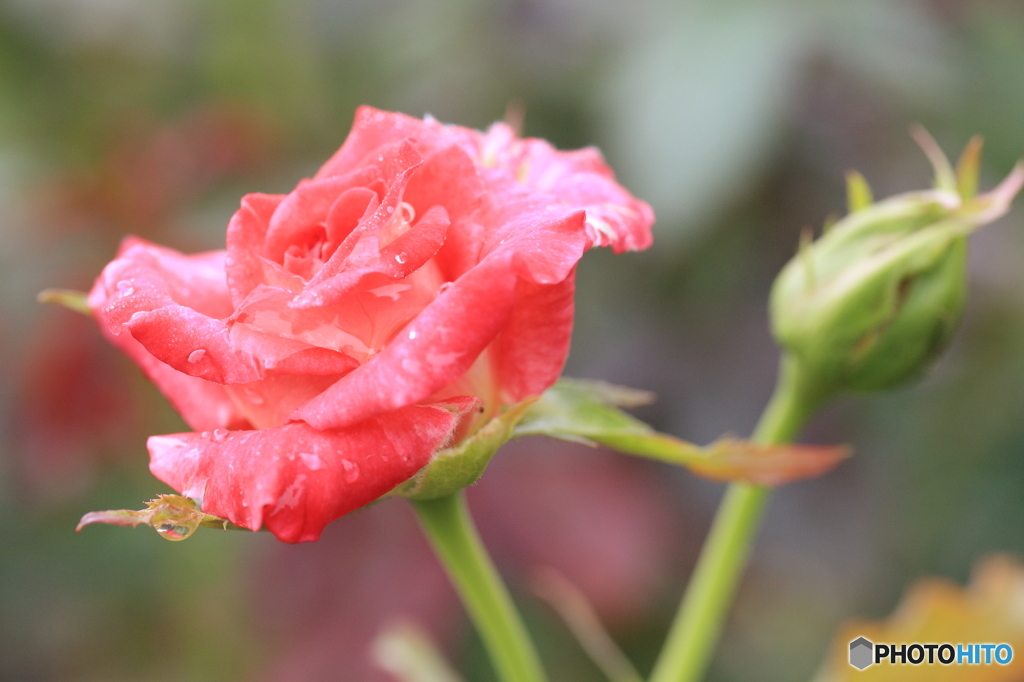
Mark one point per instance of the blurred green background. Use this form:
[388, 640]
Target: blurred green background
[735, 119]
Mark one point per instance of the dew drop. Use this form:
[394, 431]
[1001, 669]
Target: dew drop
[176, 524]
[219, 435]
[125, 288]
[350, 470]
[391, 209]
[313, 462]
[412, 334]
[196, 355]
[401, 257]
[204, 434]
[175, 531]
[380, 159]
[444, 287]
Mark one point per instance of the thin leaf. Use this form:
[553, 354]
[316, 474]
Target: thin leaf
[936, 611]
[858, 192]
[571, 604]
[454, 468]
[577, 411]
[69, 298]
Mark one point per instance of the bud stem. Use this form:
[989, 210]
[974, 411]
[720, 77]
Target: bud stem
[448, 525]
[698, 623]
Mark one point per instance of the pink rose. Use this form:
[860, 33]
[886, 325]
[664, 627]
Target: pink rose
[421, 281]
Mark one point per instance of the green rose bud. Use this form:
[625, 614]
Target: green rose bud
[877, 297]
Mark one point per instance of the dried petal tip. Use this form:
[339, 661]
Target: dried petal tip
[174, 517]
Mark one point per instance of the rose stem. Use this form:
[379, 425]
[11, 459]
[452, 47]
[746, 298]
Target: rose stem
[450, 529]
[698, 623]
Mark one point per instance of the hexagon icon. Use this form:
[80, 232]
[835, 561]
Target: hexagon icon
[861, 653]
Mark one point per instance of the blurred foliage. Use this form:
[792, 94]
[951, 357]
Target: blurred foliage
[737, 120]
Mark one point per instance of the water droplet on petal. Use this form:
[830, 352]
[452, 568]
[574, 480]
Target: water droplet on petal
[412, 334]
[350, 471]
[313, 462]
[401, 257]
[391, 209]
[204, 434]
[219, 435]
[125, 288]
[380, 159]
[444, 287]
[196, 355]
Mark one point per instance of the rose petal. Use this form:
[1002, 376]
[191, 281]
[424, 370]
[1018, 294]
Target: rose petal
[247, 231]
[450, 178]
[295, 479]
[396, 261]
[577, 179]
[535, 342]
[434, 350]
[347, 211]
[371, 130]
[150, 291]
[145, 272]
[308, 206]
[340, 273]
[194, 344]
[410, 251]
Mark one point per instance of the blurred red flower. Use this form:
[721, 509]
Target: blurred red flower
[425, 274]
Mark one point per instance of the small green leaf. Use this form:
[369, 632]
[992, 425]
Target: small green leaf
[174, 517]
[69, 298]
[579, 411]
[858, 192]
[454, 468]
[968, 168]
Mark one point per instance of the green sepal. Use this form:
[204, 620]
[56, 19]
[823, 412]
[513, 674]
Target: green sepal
[174, 517]
[457, 467]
